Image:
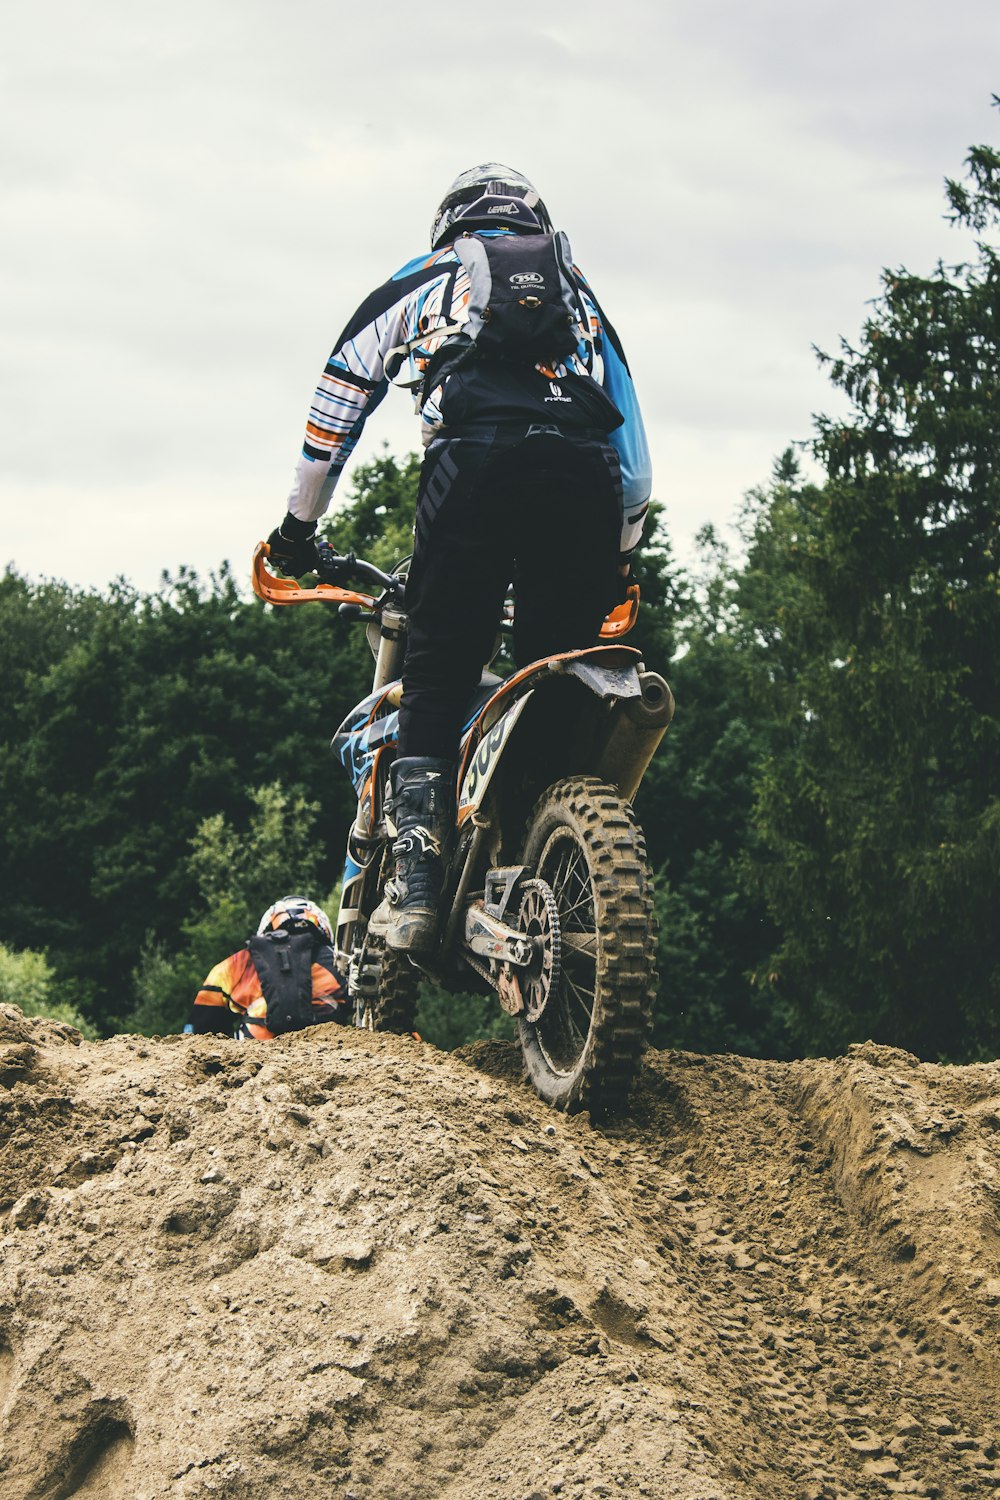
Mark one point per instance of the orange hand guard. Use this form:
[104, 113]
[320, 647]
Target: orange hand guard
[621, 619]
[274, 590]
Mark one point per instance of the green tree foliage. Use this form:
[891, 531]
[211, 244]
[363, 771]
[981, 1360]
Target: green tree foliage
[452, 1020]
[874, 608]
[163, 711]
[129, 719]
[696, 805]
[28, 981]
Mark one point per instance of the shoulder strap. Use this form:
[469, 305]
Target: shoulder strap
[400, 355]
[571, 290]
[471, 251]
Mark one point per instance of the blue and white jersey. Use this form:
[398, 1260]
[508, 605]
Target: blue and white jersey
[392, 336]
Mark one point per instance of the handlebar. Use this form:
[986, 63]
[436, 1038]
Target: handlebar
[334, 567]
[338, 567]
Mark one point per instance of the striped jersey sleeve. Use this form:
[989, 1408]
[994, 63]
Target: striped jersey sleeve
[368, 354]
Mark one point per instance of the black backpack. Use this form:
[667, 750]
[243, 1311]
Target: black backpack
[284, 961]
[524, 307]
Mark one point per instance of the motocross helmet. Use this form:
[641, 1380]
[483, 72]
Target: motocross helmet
[487, 197]
[295, 914]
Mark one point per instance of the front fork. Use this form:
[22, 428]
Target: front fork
[389, 645]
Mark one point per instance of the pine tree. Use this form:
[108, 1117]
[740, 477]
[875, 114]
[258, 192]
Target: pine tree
[877, 598]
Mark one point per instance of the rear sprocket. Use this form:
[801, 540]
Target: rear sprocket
[538, 919]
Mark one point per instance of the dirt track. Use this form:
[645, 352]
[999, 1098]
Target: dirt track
[351, 1266]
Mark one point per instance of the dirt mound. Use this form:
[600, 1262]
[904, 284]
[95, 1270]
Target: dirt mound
[344, 1265]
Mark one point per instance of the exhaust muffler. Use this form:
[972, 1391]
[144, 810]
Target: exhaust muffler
[637, 727]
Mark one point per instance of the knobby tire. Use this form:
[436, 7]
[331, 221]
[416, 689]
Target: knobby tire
[583, 840]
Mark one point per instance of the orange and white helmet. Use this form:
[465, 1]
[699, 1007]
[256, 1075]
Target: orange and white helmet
[295, 914]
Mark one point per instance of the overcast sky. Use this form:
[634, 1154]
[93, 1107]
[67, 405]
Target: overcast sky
[196, 196]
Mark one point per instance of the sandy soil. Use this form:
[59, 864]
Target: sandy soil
[350, 1266]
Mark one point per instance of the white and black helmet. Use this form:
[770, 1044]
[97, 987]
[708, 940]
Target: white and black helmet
[295, 914]
[486, 197]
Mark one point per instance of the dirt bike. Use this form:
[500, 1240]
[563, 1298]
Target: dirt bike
[547, 893]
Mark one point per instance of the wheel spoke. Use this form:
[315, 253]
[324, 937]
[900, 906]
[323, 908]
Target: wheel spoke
[585, 900]
[559, 874]
[578, 992]
[581, 945]
[573, 870]
[565, 1026]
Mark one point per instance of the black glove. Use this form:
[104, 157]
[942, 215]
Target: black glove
[293, 546]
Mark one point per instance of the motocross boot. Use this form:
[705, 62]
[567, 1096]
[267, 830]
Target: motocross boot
[422, 809]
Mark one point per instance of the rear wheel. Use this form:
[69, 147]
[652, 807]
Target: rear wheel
[583, 1050]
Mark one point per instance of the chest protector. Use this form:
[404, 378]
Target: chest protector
[524, 308]
[284, 962]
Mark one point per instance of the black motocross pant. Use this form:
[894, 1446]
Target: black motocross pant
[538, 509]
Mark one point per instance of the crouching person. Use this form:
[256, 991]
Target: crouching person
[282, 980]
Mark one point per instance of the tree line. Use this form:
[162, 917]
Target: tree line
[823, 815]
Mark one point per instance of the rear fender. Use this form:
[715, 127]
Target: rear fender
[609, 673]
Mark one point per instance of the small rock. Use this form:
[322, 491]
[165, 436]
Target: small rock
[882, 1468]
[354, 1253]
[29, 1210]
[869, 1446]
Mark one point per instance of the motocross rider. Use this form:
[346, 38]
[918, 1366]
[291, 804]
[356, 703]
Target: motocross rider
[536, 473]
[281, 980]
